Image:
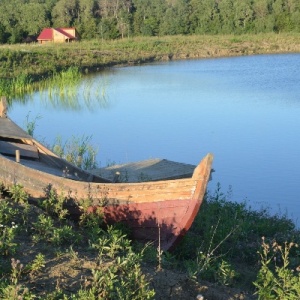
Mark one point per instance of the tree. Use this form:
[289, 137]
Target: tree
[205, 17]
[33, 25]
[262, 14]
[243, 16]
[227, 16]
[118, 15]
[65, 13]
[147, 16]
[3, 34]
[86, 19]
[176, 20]
[108, 28]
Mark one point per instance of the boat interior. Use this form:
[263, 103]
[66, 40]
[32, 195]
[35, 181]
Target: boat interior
[18, 146]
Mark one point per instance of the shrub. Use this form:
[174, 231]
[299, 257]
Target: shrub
[7, 236]
[276, 279]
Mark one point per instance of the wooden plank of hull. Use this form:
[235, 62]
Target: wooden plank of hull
[35, 181]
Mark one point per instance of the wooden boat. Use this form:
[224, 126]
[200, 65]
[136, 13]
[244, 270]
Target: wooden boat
[158, 211]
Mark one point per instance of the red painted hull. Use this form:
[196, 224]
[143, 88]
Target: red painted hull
[165, 220]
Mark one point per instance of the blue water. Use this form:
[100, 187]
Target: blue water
[245, 110]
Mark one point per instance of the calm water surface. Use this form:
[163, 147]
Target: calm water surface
[245, 110]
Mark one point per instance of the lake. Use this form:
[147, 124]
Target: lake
[245, 110]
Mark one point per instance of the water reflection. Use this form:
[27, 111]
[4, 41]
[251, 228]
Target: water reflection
[67, 91]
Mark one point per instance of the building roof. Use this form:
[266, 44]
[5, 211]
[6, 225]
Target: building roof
[47, 33]
[62, 31]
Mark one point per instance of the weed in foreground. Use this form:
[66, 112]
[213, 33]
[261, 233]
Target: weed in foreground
[54, 203]
[36, 265]
[18, 194]
[122, 277]
[277, 279]
[218, 252]
[7, 237]
[117, 275]
[11, 289]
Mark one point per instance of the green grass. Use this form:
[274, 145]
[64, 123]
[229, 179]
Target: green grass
[33, 240]
[229, 245]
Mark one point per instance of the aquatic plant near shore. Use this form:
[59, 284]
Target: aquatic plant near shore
[17, 87]
[77, 151]
[63, 85]
[63, 89]
[30, 125]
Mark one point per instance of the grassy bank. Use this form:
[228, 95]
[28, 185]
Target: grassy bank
[231, 252]
[37, 61]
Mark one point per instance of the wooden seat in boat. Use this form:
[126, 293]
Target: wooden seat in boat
[26, 151]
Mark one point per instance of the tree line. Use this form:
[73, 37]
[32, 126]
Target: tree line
[112, 19]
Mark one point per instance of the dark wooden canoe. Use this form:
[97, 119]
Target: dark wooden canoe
[155, 211]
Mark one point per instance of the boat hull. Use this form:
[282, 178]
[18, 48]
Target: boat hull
[160, 211]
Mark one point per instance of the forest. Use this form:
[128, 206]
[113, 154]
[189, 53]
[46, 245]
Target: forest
[114, 19]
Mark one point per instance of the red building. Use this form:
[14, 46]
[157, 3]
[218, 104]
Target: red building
[58, 35]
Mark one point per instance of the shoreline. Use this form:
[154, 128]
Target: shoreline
[40, 62]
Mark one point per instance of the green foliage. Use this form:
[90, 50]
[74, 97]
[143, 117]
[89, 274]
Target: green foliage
[58, 68]
[8, 245]
[36, 265]
[116, 274]
[18, 194]
[7, 212]
[122, 279]
[225, 236]
[12, 290]
[8, 228]
[111, 243]
[63, 84]
[16, 87]
[91, 222]
[44, 230]
[77, 151]
[231, 226]
[225, 273]
[276, 279]
[54, 203]
[31, 124]
[221, 246]
[63, 235]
